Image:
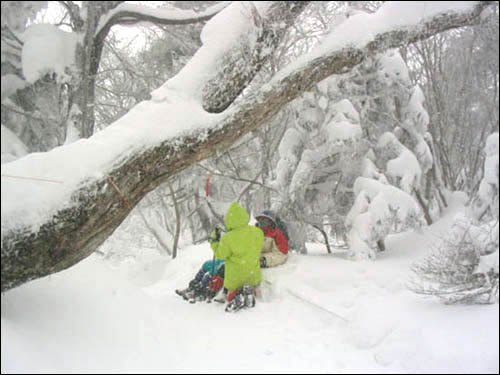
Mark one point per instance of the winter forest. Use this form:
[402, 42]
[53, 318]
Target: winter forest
[370, 128]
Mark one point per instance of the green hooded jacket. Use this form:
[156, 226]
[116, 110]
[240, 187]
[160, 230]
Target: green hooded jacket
[240, 249]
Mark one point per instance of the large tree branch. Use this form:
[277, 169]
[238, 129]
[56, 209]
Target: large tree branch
[242, 65]
[73, 233]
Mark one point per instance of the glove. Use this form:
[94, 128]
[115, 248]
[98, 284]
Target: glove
[216, 283]
[263, 262]
[215, 236]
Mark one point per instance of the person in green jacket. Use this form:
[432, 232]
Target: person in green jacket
[240, 249]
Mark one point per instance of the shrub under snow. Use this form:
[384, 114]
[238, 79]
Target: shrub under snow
[379, 209]
[463, 268]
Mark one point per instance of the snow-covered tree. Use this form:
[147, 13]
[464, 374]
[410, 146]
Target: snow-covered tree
[458, 73]
[313, 156]
[377, 98]
[33, 112]
[50, 71]
[463, 267]
[56, 225]
[379, 209]
[402, 167]
[400, 155]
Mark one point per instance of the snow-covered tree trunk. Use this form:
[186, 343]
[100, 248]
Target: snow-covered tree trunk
[72, 232]
[88, 55]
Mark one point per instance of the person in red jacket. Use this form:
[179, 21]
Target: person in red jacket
[275, 247]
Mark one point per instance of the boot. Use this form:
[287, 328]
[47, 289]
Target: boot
[199, 293]
[187, 293]
[237, 301]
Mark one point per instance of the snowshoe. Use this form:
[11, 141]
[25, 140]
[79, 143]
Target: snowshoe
[237, 303]
[201, 293]
[192, 293]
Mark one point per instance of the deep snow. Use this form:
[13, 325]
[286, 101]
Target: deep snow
[103, 317]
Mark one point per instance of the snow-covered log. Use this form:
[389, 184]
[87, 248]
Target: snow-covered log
[49, 226]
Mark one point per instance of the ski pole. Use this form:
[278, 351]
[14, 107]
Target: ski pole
[217, 232]
[217, 236]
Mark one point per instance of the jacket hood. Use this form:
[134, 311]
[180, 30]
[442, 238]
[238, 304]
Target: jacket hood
[236, 217]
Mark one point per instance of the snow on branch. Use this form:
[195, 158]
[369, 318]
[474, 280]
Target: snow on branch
[236, 43]
[49, 227]
[131, 14]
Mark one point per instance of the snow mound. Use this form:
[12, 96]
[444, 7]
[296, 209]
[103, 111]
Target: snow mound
[125, 324]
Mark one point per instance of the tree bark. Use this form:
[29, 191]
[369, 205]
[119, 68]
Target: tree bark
[74, 233]
[240, 69]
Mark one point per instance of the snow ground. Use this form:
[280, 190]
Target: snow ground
[96, 317]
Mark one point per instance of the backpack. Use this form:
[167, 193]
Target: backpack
[282, 227]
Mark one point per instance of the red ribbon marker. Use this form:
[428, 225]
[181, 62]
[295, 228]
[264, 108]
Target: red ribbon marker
[207, 186]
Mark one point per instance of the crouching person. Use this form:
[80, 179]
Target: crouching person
[275, 246]
[240, 249]
[206, 283]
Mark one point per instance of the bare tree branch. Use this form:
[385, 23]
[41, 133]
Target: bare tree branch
[131, 14]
